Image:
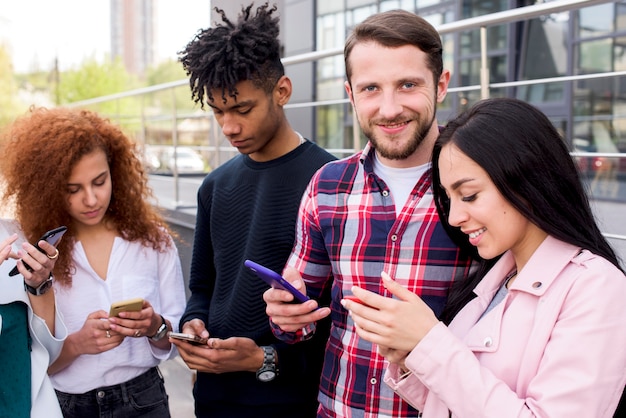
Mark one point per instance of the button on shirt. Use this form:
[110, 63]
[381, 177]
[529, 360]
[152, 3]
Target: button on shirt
[347, 234]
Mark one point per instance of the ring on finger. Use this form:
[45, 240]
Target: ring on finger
[137, 333]
[108, 334]
[56, 254]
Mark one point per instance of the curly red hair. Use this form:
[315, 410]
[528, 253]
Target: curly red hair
[39, 151]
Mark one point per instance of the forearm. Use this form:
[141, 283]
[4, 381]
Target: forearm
[69, 353]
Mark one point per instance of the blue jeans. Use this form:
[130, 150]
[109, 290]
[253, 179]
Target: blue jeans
[143, 396]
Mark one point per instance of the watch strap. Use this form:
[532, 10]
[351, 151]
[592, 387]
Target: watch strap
[161, 331]
[42, 289]
[269, 364]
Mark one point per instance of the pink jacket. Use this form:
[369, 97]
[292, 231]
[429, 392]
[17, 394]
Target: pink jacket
[554, 347]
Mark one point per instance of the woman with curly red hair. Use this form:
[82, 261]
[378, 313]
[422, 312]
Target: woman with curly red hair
[72, 167]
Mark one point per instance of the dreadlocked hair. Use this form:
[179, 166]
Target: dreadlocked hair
[226, 54]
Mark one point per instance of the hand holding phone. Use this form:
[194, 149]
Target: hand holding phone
[128, 305]
[52, 237]
[191, 338]
[276, 280]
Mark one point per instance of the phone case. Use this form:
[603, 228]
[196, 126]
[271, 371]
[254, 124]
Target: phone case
[275, 280]
[193, 339]
[52, 237]
[129, 305]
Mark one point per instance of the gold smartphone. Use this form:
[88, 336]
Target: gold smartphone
[193, 339]
[128, 305]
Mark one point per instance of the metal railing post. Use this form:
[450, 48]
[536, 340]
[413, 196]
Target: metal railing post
[484, 69]
[175, 144]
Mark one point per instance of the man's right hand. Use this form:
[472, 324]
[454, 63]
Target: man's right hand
[291, 317]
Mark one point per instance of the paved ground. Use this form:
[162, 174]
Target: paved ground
[178, 383]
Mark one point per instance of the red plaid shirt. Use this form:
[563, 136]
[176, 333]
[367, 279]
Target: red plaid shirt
[347, 234]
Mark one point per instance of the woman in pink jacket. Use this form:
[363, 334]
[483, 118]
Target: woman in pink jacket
[540, 329]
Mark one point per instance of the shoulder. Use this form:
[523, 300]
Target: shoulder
[338, 168]
[314, 149]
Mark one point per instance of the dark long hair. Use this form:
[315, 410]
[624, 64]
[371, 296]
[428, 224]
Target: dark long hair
[227, 53]
[529, 163]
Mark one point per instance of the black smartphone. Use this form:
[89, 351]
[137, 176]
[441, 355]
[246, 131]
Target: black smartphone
[52, 237]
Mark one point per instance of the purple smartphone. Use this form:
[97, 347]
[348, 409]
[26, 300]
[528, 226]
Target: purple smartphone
[276, 280]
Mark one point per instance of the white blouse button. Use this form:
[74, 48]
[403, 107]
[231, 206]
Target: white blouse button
[537, 285]
[373, 381]
[394, 237]
[488, 341]
[385, 193]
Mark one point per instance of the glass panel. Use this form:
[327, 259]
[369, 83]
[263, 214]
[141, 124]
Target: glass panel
[351, 4]
[595, 56]
[496, 39]
[425, 3]
[596, 20]
[386, 5]
[329, 6]
[545, 54]
[330, 31]
[358, 15]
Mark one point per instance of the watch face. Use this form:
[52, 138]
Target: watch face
[45, 287]
[266, 375]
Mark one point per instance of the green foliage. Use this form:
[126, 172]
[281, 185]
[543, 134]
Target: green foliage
[9, 105]
[166, 72]
[94, 79]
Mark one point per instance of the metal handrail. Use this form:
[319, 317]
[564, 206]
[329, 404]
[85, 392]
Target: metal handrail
[479, 22]
[506, 16]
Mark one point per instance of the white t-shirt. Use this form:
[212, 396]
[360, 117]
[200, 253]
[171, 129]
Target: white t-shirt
[401, 181]
[133, 271]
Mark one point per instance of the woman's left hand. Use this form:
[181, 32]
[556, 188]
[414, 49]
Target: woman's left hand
[41, 263]
[396, 325]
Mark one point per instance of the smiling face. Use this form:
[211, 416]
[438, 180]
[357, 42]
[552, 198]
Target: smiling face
[478, 208]
[89, 190]
[254, 122]
[395, 99]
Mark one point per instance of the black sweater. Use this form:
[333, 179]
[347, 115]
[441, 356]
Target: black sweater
[248, 210]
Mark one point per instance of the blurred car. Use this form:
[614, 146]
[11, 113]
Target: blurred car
[166, 159]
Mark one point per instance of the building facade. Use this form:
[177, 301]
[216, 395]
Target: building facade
[591, 113]
[133, 33]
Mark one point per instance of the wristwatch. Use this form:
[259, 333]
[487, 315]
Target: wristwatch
[42, 289]
[161, 332]
[268, 370]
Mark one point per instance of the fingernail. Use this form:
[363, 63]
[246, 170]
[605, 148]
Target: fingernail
[385, 276]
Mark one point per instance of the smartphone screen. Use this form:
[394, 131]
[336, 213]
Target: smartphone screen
[275, 280]
[52, 237]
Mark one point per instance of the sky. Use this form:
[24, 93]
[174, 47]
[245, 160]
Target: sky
[37, 31]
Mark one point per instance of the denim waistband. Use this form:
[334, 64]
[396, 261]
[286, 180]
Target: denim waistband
[151, 376]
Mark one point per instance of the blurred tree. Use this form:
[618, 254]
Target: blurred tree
[165, 72]
[93, 79]
[10, 106]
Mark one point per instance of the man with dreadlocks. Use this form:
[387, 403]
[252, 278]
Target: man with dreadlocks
[247, 209]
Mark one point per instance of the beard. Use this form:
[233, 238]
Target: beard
[391, 147]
